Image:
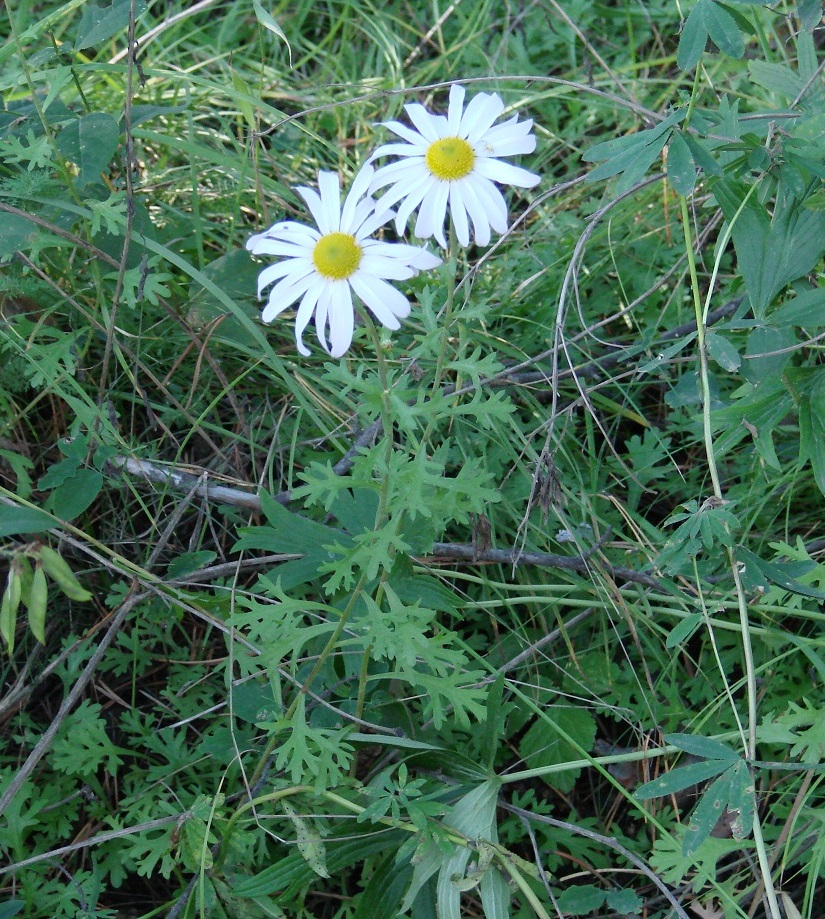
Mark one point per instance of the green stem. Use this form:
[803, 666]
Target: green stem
[742, 603]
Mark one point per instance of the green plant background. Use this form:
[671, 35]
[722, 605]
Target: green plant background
[514, 612]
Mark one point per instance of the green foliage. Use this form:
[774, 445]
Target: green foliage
[417, 631]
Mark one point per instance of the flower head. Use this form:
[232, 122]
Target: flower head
[323, 267]
[454, 160]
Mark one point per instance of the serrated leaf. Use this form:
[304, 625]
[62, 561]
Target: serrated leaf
[680, 778]
[706, 747]
[681, 169]
[580, 899]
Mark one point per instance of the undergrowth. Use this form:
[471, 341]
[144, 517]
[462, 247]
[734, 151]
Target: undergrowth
[514, 611]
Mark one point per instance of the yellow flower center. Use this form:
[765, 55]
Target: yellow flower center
[336, 255]
[450, 158]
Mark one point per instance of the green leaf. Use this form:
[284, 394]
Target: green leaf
[90, 142]
[291, 874]
[806, 310]
[722, 351]
[11, 908]
[75, 495]
[100, 23]
[271, 25]
[544, 743]
[724, 31]
[741, 800]
[683, 630]
[495, 895]
[681, 169]
[580, 899]
[693, 39]
[309, 841]
[16, 234]
[763, 572]
[680, 778]
[707, 812]
[810, 13]
[706, 747]
[15, 520]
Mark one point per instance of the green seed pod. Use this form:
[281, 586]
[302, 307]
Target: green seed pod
[37, 601]
[58, 570]
[8, 616]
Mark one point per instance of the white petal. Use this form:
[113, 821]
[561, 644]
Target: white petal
[381, 266]
[293, 268]
[510, 146]
[424, 260]
[475, 208]
[432, 127]
[316, 208]
[508, 129]
[400, 150]
[379, 216]
[322, 310]
[341, 318]
[283, 249]
[482, 111]
[407, 133]
[417, 258]
[385, 302]
[398, 171]
[329, 187]
[284, 294]
[505, 173]
[355, 196]
[431, 215]
[305, 311]
[459, 214]
[495, 207]
[415, 196]
[456, 108]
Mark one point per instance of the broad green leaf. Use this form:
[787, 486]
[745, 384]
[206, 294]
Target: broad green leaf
[381, 898]
[99, 23]
[11, 908]
[495, 894]
[90, 142]
[681, 777]
[76, 494]
[309, 841]
[291, 875]
[806, 310]
[15, 520]
[580, 899]
[681, 169]
[693, 39]
[722, 351]
[741, 801]
[706, 747]
[707, 812]
[544, 743]
[16, 234]
[767, 353]
[810, 13]
[723, 29]
[774, 573]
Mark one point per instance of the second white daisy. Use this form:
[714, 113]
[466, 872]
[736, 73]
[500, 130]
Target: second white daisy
[454, 161]
[323, 268]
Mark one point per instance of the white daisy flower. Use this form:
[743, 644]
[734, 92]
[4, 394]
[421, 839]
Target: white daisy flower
[454, 160]
[323, 268]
